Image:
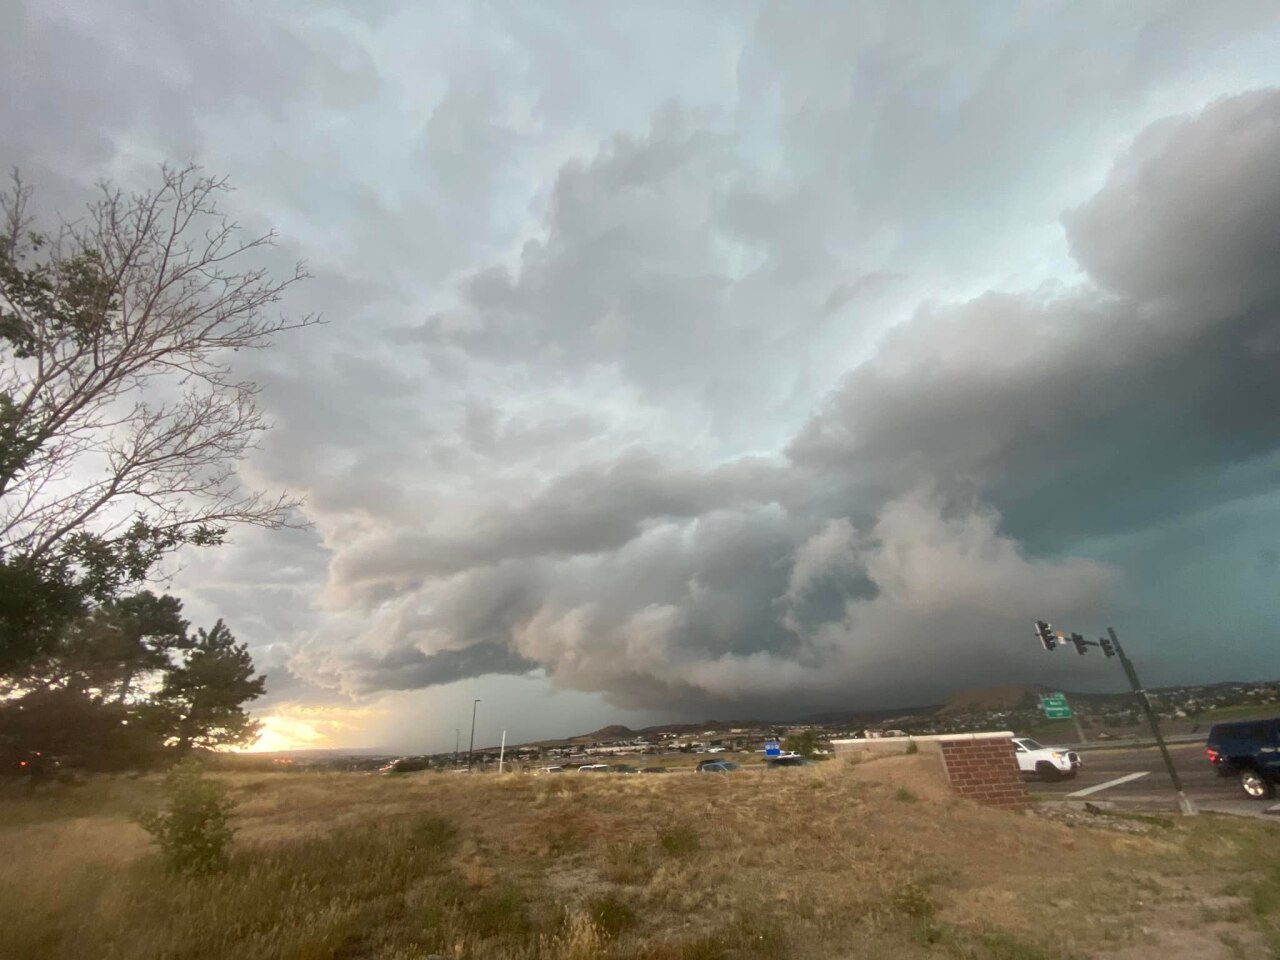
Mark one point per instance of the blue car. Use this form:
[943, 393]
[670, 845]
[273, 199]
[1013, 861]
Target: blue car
[1250, 751]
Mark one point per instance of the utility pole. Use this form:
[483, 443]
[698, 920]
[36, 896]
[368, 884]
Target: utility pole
[472, 745]
[457, 737]
[502, 750]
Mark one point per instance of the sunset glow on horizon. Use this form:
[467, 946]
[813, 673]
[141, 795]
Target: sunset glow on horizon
[297, 727]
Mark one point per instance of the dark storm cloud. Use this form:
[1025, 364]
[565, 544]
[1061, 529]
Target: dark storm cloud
[1190, 216]
[407, 668]
[707, 612]
[1056, 408]
[1065, 405]
[591, 510]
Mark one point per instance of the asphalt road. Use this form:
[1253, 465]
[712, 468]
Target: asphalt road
[1137, 779]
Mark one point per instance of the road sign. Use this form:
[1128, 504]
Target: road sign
[1055, 707]
[772, 748]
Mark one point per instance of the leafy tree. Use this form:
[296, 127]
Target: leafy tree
[81, 696]
[114, 339]
[105, 653]
[37, 604]
[92, 733]
[131, 638]
[205, 695]
[804, 743]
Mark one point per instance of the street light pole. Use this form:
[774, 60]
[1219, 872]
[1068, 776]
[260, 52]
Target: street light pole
[1184, 802]
[472, 746]
[457, 737]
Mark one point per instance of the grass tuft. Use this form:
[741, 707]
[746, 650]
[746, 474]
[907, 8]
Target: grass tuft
[679, 840]
[611, 915]
[627, 862]
[432, 832]
[912, 899]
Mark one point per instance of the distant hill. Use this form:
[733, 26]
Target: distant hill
[861, 717]
[615, 731]
[992, 698]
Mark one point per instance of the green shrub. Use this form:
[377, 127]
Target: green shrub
[904, 795]
[193, 830]
[912, 747]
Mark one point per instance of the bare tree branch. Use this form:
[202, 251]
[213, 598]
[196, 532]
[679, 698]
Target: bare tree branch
[117, 399]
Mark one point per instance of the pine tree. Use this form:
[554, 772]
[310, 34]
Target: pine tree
[204, 696]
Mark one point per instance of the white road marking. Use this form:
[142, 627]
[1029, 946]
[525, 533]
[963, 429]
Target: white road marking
[1274, 808]
[1110, 783]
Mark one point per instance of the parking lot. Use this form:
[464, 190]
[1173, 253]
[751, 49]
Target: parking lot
[1136, 778]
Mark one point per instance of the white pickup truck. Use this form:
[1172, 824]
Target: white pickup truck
[1045, 762]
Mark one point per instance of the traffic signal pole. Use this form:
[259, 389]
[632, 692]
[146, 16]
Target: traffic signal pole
[1185, 803]
[1110, 646]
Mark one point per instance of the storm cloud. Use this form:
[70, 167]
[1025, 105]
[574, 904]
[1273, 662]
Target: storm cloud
[718, 361]
[1058, 404]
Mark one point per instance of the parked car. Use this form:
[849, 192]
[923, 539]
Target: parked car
[35, 765]
[716, 766]
[594, 768]
[1250, 751]
[654, 770]
[552, 769]
[622, 768]
[793, 760]
[406, 765]
[1047, 763]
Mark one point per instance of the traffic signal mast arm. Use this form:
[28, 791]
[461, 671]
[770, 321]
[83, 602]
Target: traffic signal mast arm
[1081, 643]
[1110, 645]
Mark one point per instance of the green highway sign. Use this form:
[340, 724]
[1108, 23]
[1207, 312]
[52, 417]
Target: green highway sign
[1055, 707]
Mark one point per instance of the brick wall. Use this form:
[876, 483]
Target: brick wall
[983, 768]
[979, 766]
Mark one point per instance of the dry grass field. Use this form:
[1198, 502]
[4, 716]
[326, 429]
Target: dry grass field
[836, 861]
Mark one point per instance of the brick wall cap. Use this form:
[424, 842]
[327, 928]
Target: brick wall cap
[938, 737]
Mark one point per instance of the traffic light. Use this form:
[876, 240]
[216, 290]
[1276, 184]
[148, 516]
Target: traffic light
[1107, 646]
[1082, 645]
[1044, 634]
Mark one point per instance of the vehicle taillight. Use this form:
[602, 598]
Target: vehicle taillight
[1212, 754]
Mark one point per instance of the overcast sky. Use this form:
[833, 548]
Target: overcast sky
[720, 359]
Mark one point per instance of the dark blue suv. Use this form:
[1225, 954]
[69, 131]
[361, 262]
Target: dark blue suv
[1250, 750]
